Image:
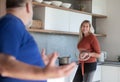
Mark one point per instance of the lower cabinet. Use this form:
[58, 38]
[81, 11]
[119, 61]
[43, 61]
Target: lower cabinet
[65, 79]
[71, 76]
[119, 75]
[57, 80]
[97, 75]
[103, 73]
[110, 74]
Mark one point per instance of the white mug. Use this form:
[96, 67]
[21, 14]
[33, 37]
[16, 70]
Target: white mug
[103, 56]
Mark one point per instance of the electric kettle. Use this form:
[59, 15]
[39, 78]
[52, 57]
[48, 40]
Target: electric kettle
[103, 56]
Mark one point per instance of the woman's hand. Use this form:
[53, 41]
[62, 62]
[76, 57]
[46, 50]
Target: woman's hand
[84, 56]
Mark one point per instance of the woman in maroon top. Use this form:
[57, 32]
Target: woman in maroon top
[89, 49]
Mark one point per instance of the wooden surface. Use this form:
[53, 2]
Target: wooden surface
[68, 9]
[60, 32]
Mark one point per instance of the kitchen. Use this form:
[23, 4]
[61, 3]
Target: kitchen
[67, 43]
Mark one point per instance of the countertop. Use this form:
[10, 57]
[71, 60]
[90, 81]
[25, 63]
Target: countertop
[107, 62]
[110, 63]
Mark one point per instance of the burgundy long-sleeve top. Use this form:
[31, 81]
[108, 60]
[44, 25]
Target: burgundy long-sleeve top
[90, 44]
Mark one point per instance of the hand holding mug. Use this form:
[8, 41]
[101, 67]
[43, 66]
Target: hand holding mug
[84, 56]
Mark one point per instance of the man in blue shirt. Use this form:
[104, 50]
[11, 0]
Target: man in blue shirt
[15, 39]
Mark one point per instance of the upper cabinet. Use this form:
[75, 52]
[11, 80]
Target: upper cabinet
[53, 19]
[63, 20]
[60, 20]
[91, 6]
[88, 8]
[99, 7]
[76, 19]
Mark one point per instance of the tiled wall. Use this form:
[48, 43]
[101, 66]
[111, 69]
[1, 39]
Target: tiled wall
[65, 45]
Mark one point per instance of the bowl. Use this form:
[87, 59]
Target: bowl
[56, 3]
[66, 5]
[47, 2]
[64, 60]
[39, 1]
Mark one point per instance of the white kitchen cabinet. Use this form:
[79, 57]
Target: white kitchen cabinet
[71, 76]
[65, 79]
[97, 76]
[56, 19]
[76, 19]
[110, 74]
[119, 74]
[56, 80]
[60, 20]
[99, 7]
[53, 19]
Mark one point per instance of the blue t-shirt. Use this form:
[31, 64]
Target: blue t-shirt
[16, 40]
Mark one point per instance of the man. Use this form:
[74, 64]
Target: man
[10, 67]
[16, 40]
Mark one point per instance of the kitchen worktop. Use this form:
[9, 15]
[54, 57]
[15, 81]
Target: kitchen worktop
[110, 63]
[106, 63]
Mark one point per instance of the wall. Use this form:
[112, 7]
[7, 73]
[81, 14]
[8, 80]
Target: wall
[65, 45]
[110, 26]
[2, 7]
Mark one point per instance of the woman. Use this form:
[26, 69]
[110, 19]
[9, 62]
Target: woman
[89, 49]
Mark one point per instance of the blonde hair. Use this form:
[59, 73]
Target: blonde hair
[80, 32]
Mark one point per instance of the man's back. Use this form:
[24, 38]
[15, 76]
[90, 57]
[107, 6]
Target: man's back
[15, 40]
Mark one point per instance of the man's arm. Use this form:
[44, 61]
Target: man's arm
[10, 67]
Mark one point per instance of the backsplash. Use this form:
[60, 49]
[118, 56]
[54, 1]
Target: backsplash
[65, 45]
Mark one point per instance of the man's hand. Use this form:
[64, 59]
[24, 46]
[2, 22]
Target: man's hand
[46, 58]
[53, 71]
[10, 67]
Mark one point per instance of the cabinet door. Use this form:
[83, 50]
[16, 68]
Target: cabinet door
[99, 7]
[61, 20]
[56, 19]
[119, 74]
[97, 76]
[71, 76]
[56, 80]
[76, 19]
[110, 74]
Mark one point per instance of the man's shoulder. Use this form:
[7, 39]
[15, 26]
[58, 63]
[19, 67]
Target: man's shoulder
[10, 22]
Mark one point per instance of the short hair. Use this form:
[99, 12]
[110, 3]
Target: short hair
[15, 3]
